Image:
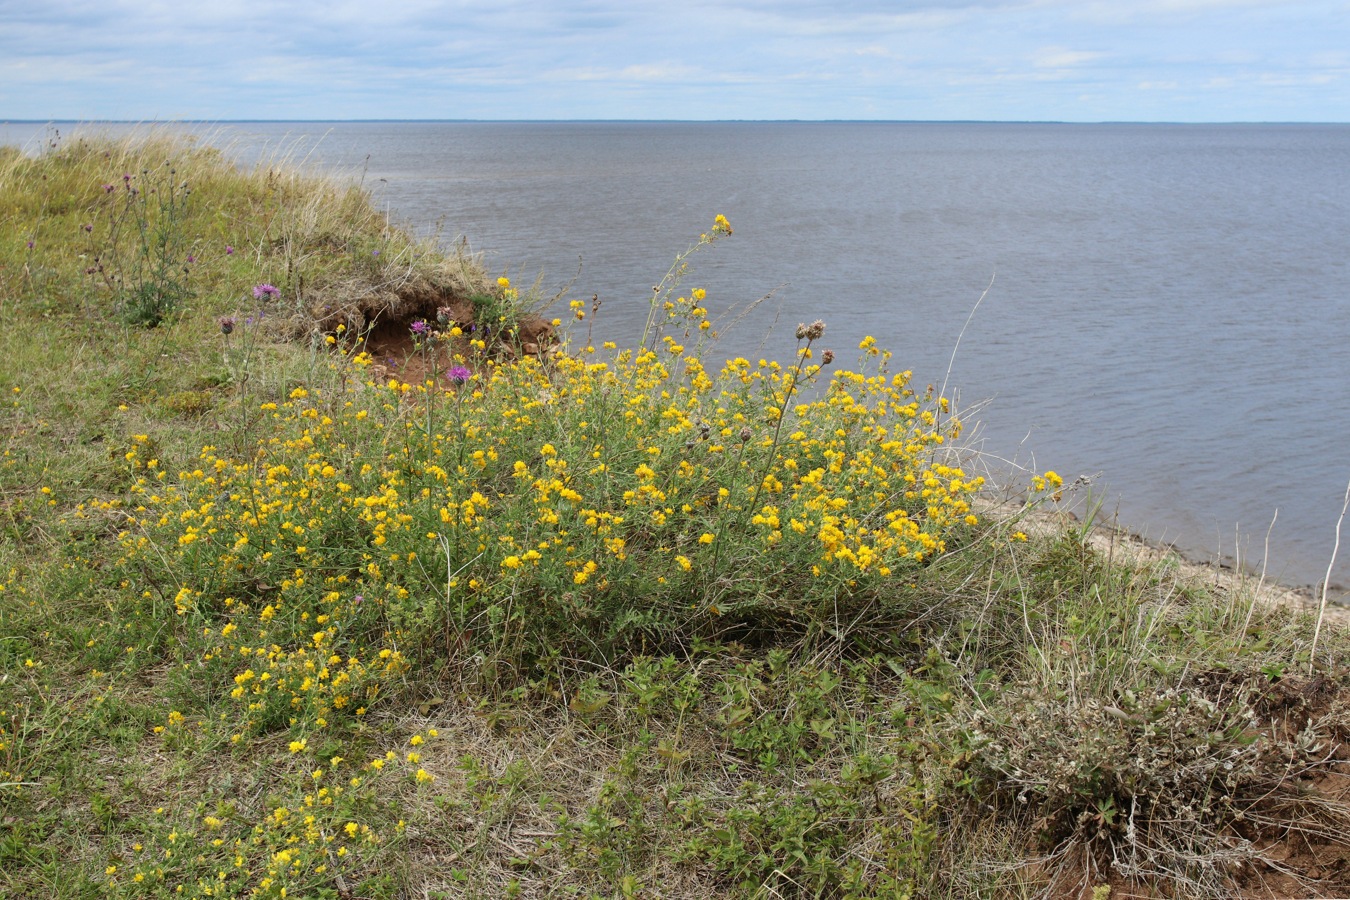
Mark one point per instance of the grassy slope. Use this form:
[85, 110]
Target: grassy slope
[1001, 717]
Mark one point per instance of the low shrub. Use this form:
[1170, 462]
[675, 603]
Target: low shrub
[584, 505]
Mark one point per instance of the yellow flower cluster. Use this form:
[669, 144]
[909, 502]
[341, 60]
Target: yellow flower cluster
[582, 488]
[293, 846]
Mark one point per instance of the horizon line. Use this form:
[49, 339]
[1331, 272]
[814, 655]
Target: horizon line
[602, 121]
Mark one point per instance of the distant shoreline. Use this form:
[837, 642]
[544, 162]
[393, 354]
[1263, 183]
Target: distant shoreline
[1111, 122]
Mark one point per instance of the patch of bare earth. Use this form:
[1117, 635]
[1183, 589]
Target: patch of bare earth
[385, 330]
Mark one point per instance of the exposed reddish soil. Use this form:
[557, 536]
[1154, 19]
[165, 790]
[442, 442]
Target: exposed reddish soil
[400, 352]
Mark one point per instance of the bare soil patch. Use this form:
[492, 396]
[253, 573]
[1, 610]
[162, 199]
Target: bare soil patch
[387, 332]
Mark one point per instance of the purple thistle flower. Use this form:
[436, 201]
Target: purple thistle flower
[264, 291]
[226, 324]
[191, 259]
[419, 327]
[109, 188]
[30, 245]
[229, 251]
[458, 374]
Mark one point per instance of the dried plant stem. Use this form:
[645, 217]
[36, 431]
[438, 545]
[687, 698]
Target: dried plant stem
[1326, 582]
[957, 346]
[1260, 583]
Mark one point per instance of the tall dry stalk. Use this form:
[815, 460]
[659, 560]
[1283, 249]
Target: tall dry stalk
[1326, 582]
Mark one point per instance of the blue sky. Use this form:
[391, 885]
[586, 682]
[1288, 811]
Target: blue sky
[1072, 60]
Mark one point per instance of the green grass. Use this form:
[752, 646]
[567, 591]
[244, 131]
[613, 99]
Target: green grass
[589, 622]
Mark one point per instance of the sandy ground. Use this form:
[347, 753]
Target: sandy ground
[1120, 543]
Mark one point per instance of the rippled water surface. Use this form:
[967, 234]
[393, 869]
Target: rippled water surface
[1169, 310]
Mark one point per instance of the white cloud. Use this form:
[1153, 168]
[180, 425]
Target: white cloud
[638, 73]
[1160, 12]
[1059, 58]
[1285, 79]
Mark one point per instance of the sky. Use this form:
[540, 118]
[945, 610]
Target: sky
[995, 60]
